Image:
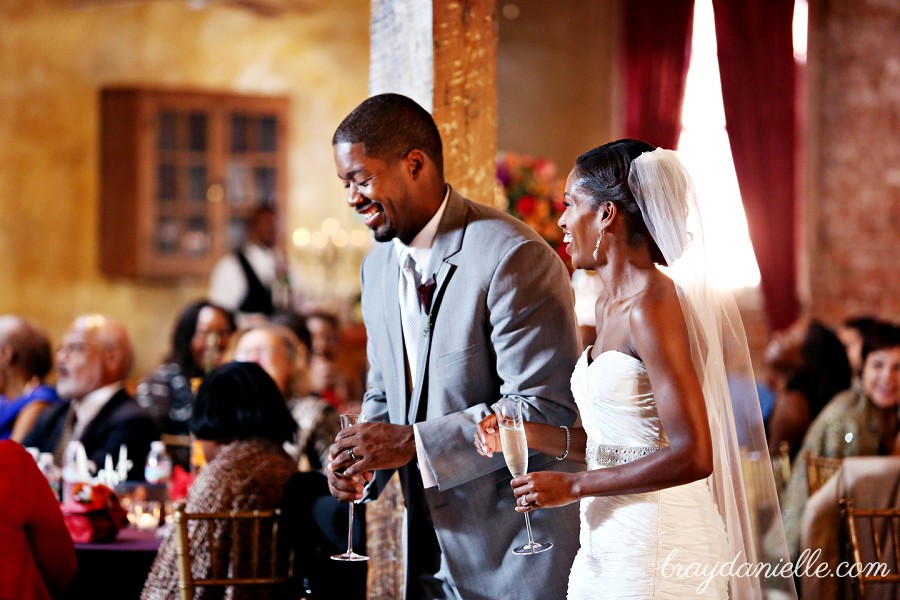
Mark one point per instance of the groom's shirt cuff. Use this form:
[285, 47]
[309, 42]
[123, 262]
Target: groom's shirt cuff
[428, 478]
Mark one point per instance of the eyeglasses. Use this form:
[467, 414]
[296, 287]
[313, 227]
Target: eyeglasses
[76, 347]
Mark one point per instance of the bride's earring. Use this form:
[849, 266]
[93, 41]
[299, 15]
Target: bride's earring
[597, 247]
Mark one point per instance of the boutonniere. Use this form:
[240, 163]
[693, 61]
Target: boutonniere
[426, 293]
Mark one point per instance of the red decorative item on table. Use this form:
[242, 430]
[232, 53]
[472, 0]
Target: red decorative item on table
[94, 514]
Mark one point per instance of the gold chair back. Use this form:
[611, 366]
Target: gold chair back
[819, 469]
[873, 546]
[781, 468]
[253, 557]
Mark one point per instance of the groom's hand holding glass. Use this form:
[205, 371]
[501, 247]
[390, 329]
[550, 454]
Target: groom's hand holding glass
[363, 448]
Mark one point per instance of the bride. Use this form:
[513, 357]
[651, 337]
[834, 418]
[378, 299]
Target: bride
[664, 504]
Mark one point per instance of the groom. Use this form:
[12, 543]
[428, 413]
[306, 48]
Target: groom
[462, 304]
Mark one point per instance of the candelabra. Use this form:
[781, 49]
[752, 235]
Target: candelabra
[330, 258]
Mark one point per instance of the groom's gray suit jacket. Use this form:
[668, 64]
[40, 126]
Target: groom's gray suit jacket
[502, 323]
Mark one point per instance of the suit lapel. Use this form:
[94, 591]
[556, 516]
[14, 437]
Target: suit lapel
[90, 433]
[394, 326]
[447, 242]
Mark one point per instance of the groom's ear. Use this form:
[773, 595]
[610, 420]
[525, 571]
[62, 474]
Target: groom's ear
[415, 161]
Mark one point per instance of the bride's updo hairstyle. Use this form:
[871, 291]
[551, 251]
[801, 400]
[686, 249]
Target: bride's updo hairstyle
[603, 173]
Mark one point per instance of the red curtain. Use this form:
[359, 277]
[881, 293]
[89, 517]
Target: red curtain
[756, 61]
[656, 51]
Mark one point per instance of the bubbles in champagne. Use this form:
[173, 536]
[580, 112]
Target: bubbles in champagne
[515, 449]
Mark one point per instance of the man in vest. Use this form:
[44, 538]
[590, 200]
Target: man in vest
[244, 281]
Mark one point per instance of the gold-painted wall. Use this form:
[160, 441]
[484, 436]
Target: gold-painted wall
[54, 59]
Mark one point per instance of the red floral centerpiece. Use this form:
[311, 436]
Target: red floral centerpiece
[534, 194]
[94, 513]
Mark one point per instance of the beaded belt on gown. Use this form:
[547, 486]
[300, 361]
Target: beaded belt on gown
[608, 455]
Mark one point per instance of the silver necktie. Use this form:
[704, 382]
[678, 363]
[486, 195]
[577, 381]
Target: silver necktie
[411, 312]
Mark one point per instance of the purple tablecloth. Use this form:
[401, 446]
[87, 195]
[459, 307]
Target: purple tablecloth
[114, 570]
[127, 540]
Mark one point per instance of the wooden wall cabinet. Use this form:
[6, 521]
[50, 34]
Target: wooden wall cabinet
[180, 173]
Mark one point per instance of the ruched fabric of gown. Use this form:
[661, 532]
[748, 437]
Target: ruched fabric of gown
[653, 545]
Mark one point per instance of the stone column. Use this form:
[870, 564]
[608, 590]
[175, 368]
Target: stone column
[443, 54]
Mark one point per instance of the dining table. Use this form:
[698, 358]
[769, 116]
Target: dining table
[117, 569]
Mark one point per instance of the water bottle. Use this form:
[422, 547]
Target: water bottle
[51, 472]
[159, 464]
[74, 470]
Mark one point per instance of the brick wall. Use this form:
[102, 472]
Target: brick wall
[851, 210]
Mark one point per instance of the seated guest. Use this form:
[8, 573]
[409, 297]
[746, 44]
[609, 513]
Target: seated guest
[92, 363]
[810, 367]
[25, 359]
[851, 332]
[201, 334]
[317, 521]
[861, 421]
[329, 379]
[277, 350]
[241, 421]
[37, 557]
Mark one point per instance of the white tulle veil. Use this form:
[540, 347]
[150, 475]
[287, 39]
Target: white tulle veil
[742, 482]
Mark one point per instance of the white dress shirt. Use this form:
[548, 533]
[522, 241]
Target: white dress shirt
[420, 249]
[227, 284]
[88, 407]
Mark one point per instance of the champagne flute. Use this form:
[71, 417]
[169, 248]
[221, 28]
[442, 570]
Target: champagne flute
[348, 421]
[515, 452]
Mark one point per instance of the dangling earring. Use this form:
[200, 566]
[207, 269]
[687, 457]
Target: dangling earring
[597, 247]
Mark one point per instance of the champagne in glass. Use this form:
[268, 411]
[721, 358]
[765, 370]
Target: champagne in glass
[515, 452]
[348, 421]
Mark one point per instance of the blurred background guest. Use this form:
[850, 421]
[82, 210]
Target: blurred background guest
[37, 557]
[277, 350]
[253, 280]
[810, 366]
[860, 421]
[851, 332]
[330, 380]
[241, 421]
[92, 363]
[25, 359]
[200, 336]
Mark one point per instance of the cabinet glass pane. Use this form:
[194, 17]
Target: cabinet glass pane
[197, 183]
[268, 130]
[240, 133]
[238, 183]
[167, 231]
[197, 132]
[237, 231]
[264, 178]
[168, 130]
[166, 183]
[195, 240]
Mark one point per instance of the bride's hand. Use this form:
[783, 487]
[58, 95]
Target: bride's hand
[487, 436]
[543, 489]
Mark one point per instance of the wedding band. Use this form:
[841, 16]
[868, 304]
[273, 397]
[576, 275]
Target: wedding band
[352, 456]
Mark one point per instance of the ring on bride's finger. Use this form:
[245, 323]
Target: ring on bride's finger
[352, 456]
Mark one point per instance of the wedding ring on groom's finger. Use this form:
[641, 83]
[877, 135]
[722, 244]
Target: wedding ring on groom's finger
[352, 456]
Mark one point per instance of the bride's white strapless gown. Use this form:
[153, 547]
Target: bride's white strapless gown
[626, 540]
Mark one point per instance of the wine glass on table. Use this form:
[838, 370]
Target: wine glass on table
[515, 452]
[348, 421]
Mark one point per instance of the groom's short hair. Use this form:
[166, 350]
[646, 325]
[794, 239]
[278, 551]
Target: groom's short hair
[389, 126]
